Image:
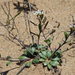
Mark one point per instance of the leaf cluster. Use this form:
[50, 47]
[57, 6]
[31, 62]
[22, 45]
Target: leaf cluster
[40, 56]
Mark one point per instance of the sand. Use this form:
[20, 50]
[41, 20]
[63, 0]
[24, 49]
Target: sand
[55, 10]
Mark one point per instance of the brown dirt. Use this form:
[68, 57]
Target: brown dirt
[56, 10]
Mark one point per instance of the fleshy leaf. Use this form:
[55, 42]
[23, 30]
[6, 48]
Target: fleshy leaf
[48, 40]
[41, 60]
[22, 57]
[54, 63]
[44, 52]
[66, 35]
[25, 52]
[59, 44]
[48, 54]
[28, 64]
[43, 56]
[41, 16]
[34, 45]
[8, 57]
[45, 63]
[59, 51]
[56, 58]
[43, 49]
[49, 66]
[40, 46]
[8, 63]
[37, 51]
[35, 61]
[32, 49]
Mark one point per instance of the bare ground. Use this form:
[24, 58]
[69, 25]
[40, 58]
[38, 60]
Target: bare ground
[55, 10]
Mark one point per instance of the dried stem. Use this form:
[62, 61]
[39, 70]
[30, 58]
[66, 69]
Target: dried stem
[14, 37]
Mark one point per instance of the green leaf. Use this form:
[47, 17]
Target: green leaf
[66, 35]
[40, 27]
[48, 40]
[32, 50]
[46, 25]
[44, 53]
[59, 44]
[8, 57]
[16, 14]
[27, 0]
[33, 23]
[22, 57]
[54, 63]
[41, 60]
[8, 63]
[28, 64]
[45, 63]
[37, 51]
[54, 49]
[34, 45]
[48, 54]
[49, 66]
[40, 46]
[41, 16]
[56, 54]
[0, 55]
[25, 52]
[43, 56]
[35, 34]
[68, 41]
[56, 58]
[43, 49]
[35, 61]
[59, 51]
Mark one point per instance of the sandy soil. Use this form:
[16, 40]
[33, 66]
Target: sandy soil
[55, 10]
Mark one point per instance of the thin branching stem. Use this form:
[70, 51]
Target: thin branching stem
[8, 9]
[30, 30]
[38, 40]
[11, 15]
[13, 35]
[2, 73]
[59, 46]
[21, 70]
[47, 42]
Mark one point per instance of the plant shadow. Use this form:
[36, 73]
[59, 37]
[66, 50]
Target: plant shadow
[6, 72]
[25, 6]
